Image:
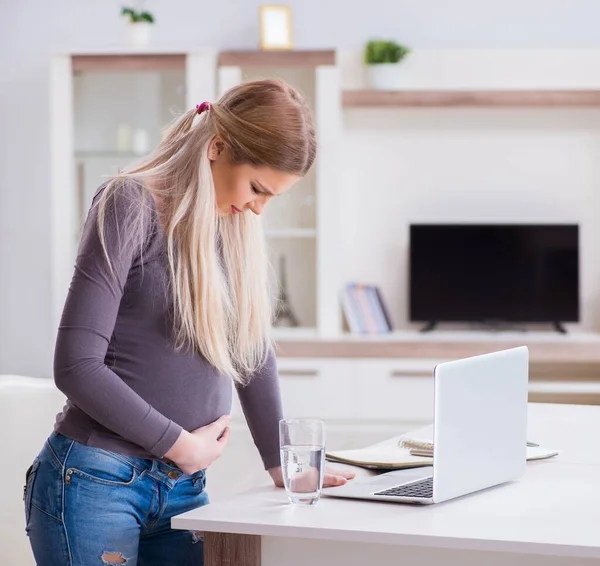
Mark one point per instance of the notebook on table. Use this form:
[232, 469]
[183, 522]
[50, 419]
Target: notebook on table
[411, 450]
[386, 455]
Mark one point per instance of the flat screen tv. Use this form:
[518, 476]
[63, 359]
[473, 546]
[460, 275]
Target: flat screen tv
[494, 273]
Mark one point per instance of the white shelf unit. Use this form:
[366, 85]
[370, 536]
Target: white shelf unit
[90, 95]
[301, 225]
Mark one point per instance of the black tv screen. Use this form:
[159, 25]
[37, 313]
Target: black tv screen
[494, 272]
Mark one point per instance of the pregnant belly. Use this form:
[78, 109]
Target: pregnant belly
[185, 389]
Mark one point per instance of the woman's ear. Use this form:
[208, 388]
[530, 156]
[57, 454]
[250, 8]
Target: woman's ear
[216, 148]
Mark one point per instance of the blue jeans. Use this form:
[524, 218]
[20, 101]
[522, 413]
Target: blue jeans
[88, 506]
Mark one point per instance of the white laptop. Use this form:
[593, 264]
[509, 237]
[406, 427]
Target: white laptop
[480, 433]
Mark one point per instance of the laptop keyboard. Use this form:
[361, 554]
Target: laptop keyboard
[423, 488]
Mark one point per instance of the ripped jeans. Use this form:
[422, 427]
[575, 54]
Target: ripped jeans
[86, 506]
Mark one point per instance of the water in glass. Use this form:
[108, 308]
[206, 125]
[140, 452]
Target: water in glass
[303, 470]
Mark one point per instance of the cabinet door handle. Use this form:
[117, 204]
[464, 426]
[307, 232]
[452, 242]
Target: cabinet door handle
[410, 373]
[298, 372]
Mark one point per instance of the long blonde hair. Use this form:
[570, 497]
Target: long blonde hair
[219, 270]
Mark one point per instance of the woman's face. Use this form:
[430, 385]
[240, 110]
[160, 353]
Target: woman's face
[240, 188]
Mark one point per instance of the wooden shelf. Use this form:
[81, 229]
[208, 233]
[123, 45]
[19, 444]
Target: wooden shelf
[466, 98]
[253, 58]
[129, 62]
[551, 350]
[104, 62]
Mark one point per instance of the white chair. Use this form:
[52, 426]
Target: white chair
[28, 407]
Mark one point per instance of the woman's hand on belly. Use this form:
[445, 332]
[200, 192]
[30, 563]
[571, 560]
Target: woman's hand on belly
[196, 450]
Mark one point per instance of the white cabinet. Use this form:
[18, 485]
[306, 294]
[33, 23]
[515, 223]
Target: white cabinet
[398, 390]
[357, 391]
[100, 100]
[319, 388]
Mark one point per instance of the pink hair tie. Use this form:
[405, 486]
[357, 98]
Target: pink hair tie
[202, 107]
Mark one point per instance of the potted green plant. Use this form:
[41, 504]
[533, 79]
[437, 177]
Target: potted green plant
[139, 24]
[383, 58]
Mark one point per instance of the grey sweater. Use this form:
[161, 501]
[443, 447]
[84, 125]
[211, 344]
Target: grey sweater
[127, 388]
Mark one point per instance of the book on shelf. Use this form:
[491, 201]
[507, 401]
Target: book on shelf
[365, 310]
[411, 450]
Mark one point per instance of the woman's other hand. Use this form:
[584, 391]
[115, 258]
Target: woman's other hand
[333, 476]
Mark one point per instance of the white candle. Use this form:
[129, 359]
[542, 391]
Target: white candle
[140, 141]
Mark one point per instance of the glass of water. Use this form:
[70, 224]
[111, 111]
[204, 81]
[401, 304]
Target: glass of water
[302, 443]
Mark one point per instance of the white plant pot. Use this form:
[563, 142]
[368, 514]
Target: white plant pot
[384, 76]
[138, 34]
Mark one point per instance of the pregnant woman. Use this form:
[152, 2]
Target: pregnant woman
[169, 303]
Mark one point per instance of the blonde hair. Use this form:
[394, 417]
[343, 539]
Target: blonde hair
[218, 265]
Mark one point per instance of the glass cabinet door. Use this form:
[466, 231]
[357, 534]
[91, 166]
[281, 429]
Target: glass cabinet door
[119, 116]
[290, 221]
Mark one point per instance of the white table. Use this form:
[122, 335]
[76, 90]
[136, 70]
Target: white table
[550, 517]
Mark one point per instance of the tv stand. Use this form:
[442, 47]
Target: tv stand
[499, 325]
[559, 327]
[429, 326]
[495, 326]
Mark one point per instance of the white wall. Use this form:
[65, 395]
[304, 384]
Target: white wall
[467, 165]
[33, 29]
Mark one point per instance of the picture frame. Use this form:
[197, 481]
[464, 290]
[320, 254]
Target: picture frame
[275, 27]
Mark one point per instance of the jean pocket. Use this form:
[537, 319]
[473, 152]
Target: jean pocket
[28, 488]
[99, 466]
[199, 480]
